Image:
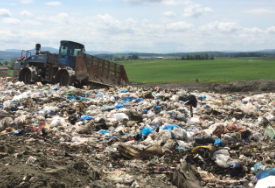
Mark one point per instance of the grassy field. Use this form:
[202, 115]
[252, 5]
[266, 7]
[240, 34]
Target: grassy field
[10, 72]
[218, 70]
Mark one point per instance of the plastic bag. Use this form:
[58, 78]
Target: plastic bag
[269, 131]
[221, 157]
[179, 133]
[163, 136]
[120, 116]
[58, 121]
[86, 117]
[146, 131]
[194, 121]
[266, 182]
[99, 95]
[170, 127]
[185, 145]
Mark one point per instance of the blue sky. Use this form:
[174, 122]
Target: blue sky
[139, 25]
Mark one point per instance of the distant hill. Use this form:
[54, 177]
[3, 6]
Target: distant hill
[50, 49]
[15, 53]
[272, 51]
[9, 55]
[13, 50]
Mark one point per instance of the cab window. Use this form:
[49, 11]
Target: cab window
[64, 49]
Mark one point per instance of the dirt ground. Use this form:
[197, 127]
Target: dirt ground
[3, 74]
[32, 161]
[263, 85]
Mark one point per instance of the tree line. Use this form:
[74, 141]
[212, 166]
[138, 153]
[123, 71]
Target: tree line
[197, 57]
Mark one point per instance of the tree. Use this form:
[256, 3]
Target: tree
[212, 57]
[135, 57]
[5, 63]
[206, 56]
[188, 57]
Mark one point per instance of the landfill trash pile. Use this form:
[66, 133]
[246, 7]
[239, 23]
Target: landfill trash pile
[53, 136]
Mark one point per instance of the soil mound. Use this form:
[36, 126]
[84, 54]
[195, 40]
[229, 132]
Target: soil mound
[263, 85]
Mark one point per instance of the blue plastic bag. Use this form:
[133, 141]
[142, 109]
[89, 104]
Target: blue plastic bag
[86, 117]
[119, 106]
[103, 131]
[17, 132]
[99, 94]
[124, 91]
[88, 94]
[129, 99]
[138, 100]
[146, 131]
[218, 142]
[71, 97]
[170, 127]
[106, 108]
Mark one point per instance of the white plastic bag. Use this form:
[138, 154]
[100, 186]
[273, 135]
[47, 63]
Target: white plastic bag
[179, 134]
[221, 157]
[120, 116]
[194, 121]
[266, 182]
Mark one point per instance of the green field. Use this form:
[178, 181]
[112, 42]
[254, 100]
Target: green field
[218, 70]
[10, 72]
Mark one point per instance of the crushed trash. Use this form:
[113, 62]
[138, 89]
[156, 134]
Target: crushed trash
[54, 136]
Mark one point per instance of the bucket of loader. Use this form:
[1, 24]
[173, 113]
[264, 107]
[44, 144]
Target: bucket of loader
[95, 70]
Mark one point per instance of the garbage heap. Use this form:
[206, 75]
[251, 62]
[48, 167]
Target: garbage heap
[55, 136]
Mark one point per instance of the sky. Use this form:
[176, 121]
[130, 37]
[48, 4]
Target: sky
[158, 26]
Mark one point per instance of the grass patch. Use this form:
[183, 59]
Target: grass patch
[218, 70]
[10, 72]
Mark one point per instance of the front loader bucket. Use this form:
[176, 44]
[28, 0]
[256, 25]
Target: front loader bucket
[65, 77]
[29, 75]
[99, 71]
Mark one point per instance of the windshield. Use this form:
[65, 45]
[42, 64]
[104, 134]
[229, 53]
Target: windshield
[76, 48]
[64, 49]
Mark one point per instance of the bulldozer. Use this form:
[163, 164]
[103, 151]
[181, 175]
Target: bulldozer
[71, 66]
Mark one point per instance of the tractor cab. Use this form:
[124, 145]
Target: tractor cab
[68, 52]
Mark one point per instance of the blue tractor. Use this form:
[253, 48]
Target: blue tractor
[71, 66]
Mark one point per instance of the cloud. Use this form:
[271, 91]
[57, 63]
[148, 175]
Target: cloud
[179, 26]
[260, 11]
[5, 13]
[31, 22]
[271, 30]
[110, 25]
[53, 3]
[196, 10]
[11, 21]
[60, 18]
[253, 30]
[166, 2]
[220, 26]
[26, 1]
[26, 13]
[143, 1]
[169, 14]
